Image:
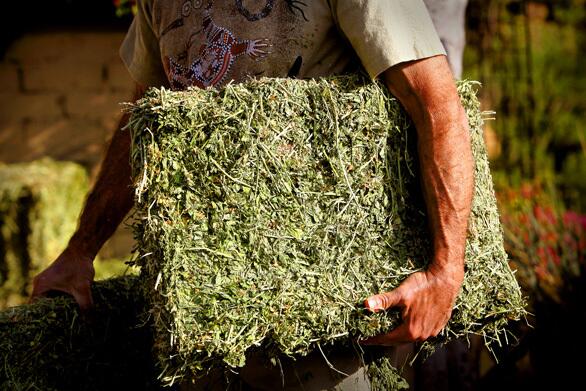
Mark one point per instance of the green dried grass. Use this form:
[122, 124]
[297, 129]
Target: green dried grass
[50, 346]
[268, 211]
[39, 205]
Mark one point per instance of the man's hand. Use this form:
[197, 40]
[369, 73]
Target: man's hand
[427, 90]
[109, 201]
[426, 300]
[72, 272]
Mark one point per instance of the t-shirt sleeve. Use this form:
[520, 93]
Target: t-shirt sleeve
[387, 32]
[140, 49]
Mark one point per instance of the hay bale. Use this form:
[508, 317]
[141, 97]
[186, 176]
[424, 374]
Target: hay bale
[39, 205]
[49, 346]
[268, 211]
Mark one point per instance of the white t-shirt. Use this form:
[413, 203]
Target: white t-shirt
[206, 43]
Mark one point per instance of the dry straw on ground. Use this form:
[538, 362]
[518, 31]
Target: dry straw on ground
[269, 210]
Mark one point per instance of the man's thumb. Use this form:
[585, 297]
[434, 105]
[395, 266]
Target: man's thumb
[383, 301]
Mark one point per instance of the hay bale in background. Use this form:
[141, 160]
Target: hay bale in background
[49, 346]
[39, 206]
[269, 210]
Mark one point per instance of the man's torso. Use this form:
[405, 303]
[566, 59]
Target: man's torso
[206, 43]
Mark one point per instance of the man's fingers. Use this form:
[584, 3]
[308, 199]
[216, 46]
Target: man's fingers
[383, 301]
[37, 294]
[84, 298]
[40, 289]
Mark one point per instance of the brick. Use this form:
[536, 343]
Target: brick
[103, 106]
[79, 141]
[45, 46]
[62, 76]
[118, 77]
[65, 61]
[18, 107]
[9, 78]
[11, 141]
[111, 124]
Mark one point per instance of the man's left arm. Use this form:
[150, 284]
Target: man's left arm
[427, 90]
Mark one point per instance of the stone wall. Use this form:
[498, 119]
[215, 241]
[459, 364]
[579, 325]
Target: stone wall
[60, 94]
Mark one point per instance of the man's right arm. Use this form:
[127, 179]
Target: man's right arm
[106, 206]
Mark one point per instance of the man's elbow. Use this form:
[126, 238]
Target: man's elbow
[427, 91]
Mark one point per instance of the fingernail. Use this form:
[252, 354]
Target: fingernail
[373, 303]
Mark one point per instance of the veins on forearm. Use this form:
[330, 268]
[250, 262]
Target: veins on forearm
[447, 178]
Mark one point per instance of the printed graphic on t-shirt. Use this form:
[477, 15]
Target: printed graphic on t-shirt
[220, 47]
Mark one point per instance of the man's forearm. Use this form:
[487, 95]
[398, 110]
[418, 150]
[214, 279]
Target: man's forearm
[426, 298]
[110, 199]
[429, 95]
[106, 206]
[446, 168]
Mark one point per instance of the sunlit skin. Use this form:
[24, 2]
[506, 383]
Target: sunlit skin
[426, 298]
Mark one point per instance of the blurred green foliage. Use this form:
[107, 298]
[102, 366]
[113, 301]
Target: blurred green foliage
[529, 57]
[125, 7]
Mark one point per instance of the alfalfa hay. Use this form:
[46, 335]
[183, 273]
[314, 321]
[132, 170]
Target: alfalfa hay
[49, 345]
[269, 210]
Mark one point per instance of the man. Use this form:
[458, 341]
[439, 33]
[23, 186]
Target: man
[205, 43]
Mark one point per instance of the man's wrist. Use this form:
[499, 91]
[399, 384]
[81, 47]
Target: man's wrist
[83, 246]
[447, 268]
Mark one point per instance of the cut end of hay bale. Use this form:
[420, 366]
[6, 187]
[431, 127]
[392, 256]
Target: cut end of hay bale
[50, 346]
[39, 205]
[269, 210]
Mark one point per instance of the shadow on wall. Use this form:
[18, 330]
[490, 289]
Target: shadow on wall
[61, 79]
[61, 94]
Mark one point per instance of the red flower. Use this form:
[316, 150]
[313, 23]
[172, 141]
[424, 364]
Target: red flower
[527, 191]
[544, 215]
